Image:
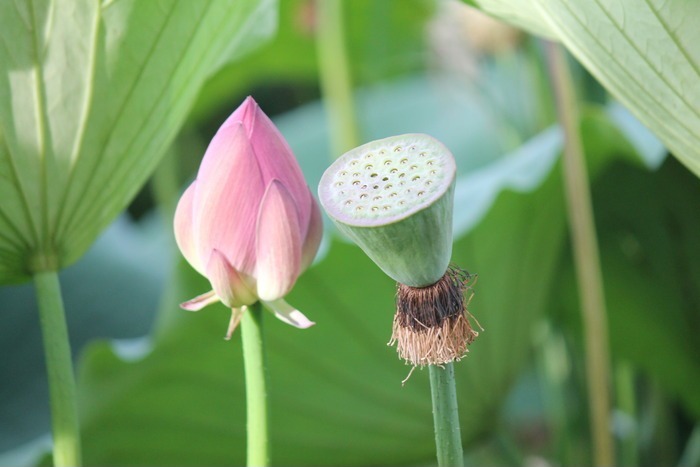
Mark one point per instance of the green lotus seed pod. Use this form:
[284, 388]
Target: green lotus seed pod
[393, 197]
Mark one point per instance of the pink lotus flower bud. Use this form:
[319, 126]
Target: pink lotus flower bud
[249, 222]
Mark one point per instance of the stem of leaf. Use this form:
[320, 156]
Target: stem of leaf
[59, 368]
[334, 71]
[448, 440]
[626, 403]
[586, 258]
[258, 453]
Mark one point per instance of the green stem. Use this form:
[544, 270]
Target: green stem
[255, 386]
[334, 71]
[626, 404]
[586, 259]
[448, 439]
[59, 368]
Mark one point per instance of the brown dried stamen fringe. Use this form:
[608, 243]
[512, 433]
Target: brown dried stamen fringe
[431, 325]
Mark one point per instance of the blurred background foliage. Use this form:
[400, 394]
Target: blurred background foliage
[160, 386]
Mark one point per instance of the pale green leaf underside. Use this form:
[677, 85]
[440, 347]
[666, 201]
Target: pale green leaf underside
[644, 52]
[90, 97]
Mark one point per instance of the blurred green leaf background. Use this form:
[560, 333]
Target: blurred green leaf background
[160, 386]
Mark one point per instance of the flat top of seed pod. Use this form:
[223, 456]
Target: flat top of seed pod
[387, 180]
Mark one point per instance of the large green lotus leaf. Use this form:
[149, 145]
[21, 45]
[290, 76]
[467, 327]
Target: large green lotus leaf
[91, 94]
[335, 389]
[648, 229]
[336, 395]
[644, 53]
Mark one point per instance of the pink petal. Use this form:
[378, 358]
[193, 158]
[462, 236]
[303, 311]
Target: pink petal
[200, 301]
[184, 229]
[314, 233]
[232, 287]
[245, 114]
[236, 314]
[287, 313]
[278, 243]
[226, 203]
[274, 155]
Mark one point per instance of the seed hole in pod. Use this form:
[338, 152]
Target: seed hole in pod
[375, 209]
[388, 186]
[356, 174]
[412, 148]
[430, 162]
[342, 192]
[355, 182]
[387, 162]
[402, 183]
[369, 155]
[423, 154]
[377, 198]
[417, 177]
[393, 171]
[348, 202]
[385, 179]
[433, 172]
[363, 195]
[364, 187]
[408, 190]
[375, 186]
[421, 193]
[369, 167]
[403, 161]
[374, 175]
[393, 195]
[402, 175]
[354, 162]
[382, 152]
[428, 183]
[398, 149]
[339, 184]
[386, 207]
[402, 202]
[359, 208]
[413, 167]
